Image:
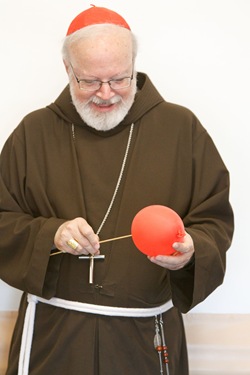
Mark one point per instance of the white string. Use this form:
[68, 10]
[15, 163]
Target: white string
[119, 178]
[118, 181]
[27, 336]
[92, 257]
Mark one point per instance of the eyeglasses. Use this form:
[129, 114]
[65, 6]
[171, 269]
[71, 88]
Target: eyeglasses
[95, 85]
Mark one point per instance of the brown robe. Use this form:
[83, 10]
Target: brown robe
[48, 176]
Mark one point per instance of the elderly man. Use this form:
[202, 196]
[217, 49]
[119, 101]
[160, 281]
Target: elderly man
[76, 173]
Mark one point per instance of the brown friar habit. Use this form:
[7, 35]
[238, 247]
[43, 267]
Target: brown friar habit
[55, 168]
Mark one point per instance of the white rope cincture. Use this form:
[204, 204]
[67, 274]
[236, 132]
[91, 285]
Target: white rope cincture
[28, 328]
[106, 310]
[27, 336]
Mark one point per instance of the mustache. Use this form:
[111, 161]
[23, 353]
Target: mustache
[99, 101]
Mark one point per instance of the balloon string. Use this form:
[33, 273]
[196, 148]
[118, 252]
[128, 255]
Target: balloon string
[103, 241]
[116, 238]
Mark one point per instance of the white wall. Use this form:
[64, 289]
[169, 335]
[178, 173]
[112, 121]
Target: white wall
[196, 52]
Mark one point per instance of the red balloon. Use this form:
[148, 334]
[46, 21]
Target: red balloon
[155, 228]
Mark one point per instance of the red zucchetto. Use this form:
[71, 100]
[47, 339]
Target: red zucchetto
[96, 15]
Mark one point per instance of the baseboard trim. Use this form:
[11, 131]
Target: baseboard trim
[218, 344]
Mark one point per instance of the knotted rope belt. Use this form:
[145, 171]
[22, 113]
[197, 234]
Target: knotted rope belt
[28, 328]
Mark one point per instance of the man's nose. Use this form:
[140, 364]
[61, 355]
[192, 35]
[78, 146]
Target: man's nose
[105, 91]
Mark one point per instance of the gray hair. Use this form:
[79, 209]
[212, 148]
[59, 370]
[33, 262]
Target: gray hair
[88, 31]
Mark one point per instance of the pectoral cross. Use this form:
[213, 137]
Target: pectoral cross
[91, 259]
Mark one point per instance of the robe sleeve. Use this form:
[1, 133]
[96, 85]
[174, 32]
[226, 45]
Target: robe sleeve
[26, 237]
[210, 223]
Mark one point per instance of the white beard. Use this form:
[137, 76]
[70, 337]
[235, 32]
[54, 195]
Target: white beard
[108, 120]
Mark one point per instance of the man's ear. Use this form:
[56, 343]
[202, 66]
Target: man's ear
[66, 64]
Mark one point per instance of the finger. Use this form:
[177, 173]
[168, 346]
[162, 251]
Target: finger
[170, 262]
[78, 246]
[89, 243]
[88, 239]
[77, 237]
[83, 234]
[184, 247]
[73, 244]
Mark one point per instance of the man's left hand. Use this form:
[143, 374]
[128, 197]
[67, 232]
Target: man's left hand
[184, 249]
